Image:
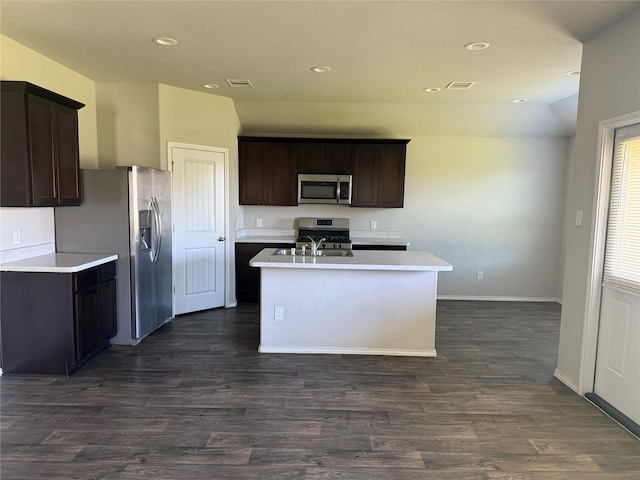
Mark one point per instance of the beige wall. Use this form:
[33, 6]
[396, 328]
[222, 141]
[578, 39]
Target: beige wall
[128, 122]
[491, 204]
[609, 87]
[18, 62]
[199, 118]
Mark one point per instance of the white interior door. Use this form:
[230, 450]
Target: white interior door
[618, 360]
[617, 373]
[198, 220]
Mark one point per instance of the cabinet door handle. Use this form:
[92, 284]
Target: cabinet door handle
[221, 239]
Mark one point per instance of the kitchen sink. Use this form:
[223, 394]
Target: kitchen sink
[319, 253]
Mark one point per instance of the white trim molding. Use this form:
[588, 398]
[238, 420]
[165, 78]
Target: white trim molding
[566, 380]
[499, 299]
[347, 351]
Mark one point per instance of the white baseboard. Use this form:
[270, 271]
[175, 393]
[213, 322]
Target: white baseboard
[499, 299]
[566, 380]
[347, 351]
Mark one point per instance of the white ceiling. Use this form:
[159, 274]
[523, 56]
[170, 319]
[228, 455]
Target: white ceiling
[382, 55]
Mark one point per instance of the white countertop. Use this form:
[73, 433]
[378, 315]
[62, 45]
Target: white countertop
[361, 260]
[266, 239]
[58, 262]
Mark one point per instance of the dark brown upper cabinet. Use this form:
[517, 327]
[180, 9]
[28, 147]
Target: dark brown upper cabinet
[318, 157]
[269, 168]
[267, 173]
[378, 175]
[39, 166]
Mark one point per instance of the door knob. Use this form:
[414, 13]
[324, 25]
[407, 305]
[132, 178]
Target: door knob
[221, 239]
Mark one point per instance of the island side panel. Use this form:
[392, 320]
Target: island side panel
[369, 312]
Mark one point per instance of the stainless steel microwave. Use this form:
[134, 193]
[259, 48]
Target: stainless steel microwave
[324, 188]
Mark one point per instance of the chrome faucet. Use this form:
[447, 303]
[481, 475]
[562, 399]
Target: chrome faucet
[315, 245]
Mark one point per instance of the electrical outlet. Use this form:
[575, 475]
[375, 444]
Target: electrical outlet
[17, 236]
[278, 313]
[579, 215]
[374, 224]
[259, 222]
[480, 275]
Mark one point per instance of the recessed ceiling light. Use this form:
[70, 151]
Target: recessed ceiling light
[165, 41]
[477, 45]
[431, 89]
[210, 85]
[321, 69]
[572, 73]
[520, 100]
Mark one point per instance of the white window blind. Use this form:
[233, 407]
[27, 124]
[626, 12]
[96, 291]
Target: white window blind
[622, 250]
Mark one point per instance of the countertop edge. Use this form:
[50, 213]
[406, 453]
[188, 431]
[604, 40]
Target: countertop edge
[352, 266]
[58, 263]
[362, 260]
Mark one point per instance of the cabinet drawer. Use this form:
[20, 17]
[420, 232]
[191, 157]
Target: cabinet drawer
[85, 279]
[106, 272]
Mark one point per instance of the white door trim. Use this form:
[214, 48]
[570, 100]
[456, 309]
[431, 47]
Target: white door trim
[606, 131]
[227, 247]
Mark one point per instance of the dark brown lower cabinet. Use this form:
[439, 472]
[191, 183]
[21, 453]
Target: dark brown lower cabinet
[53, 323]
[380, 247]
[248, 277]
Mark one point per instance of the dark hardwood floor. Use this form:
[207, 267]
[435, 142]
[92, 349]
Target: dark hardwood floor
[196, 401]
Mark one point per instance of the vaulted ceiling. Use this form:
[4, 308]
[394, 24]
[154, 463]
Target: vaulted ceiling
[382, 56]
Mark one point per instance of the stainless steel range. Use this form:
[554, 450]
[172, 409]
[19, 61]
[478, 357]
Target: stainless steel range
[325, 233]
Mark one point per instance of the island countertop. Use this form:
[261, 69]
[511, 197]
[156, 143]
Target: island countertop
[361, 260]
[58, 262]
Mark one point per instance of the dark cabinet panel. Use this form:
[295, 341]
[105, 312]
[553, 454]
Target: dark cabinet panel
[378, 175]
[391, 170]
[41, 118]
[380, 247]
[253, 170]
[267, 173]
[320, 157]
[40, 160]
[72, 320]
[365, 176]
[248, 277]
[68, 156]
[87, 325]
[281, 177]
[107, 310]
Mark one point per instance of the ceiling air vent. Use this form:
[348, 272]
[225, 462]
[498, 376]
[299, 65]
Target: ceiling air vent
[234, 82]
[460, 85]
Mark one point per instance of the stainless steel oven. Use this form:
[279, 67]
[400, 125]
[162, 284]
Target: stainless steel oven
[326, 233]
[324, 188]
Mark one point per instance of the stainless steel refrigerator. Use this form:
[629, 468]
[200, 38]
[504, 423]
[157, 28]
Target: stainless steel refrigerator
[126, 211]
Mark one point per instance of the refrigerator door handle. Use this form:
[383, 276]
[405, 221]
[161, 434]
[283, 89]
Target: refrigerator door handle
[158, 227]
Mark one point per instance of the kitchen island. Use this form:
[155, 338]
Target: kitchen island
[370, 303]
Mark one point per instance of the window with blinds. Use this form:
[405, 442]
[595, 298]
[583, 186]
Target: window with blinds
[622, 250]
